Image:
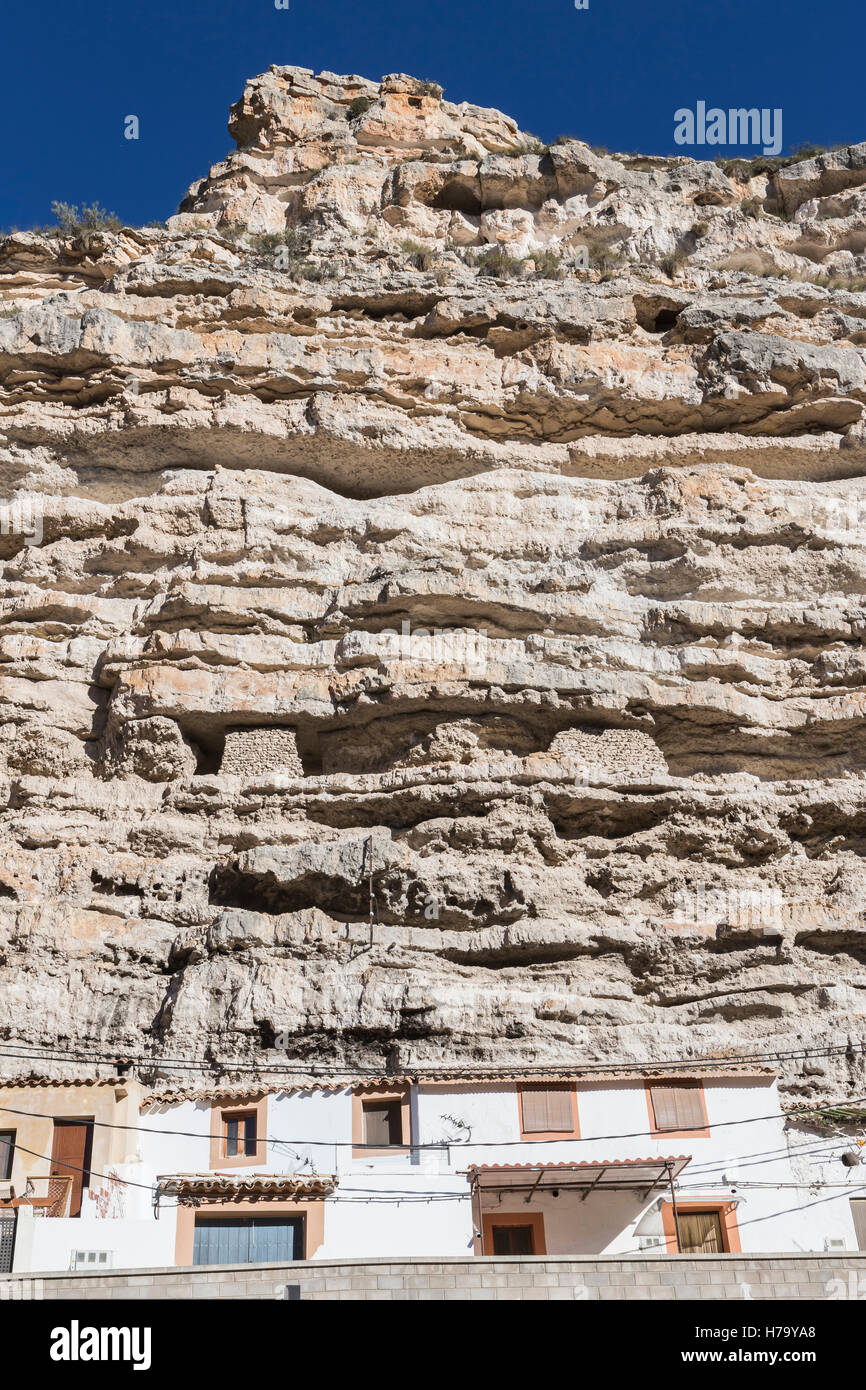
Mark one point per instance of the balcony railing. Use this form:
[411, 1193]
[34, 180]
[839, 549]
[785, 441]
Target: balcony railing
[48, 1196]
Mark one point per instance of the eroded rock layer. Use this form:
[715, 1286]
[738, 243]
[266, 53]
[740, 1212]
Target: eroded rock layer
[366, 552]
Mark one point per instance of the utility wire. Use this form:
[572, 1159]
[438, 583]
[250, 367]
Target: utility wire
[149, 1187]
[307, 1068]
[113, 1177]
[444, 1144]
[400, 1196]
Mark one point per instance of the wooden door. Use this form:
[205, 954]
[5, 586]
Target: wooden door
[248, 1240]
[513, 1240]
[701, 1233]
[70, 1154]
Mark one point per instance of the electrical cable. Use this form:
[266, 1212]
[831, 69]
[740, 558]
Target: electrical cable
[444, 1144]
[305, 1068]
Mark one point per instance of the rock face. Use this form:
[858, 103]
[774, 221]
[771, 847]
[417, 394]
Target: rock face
[381, 555]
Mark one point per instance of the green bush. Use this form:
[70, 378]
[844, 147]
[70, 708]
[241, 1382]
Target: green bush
[295, 239]
[421, 257]
[673, 262]
[752, 207]
[604, 259]
[745, 169]
[71, 221]
[548, 265]
[359, 106]
[498, 263]
[531, 145]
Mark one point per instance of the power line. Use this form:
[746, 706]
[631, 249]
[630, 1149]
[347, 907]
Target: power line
[149, 1187]
[438, 1146]
[307, 1068]
[88, 1172]
[402, 1195]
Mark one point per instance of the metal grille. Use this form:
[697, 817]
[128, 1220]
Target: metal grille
[7, 1241]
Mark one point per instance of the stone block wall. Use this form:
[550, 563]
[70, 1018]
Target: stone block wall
[254, 752]
[619, 752]
[541, 1278]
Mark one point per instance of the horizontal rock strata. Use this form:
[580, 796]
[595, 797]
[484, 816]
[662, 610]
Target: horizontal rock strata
[364, 551]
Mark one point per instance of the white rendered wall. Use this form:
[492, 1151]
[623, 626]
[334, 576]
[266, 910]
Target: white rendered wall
[746, 1159]
[47, 1243]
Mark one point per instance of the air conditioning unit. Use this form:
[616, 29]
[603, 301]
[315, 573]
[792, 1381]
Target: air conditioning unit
[90, 1259]
[835, 1244]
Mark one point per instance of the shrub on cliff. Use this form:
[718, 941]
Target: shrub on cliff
[421, 257]
[357, 107]
[499, 263]
[70, 221]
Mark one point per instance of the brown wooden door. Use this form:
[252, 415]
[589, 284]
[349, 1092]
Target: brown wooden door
[513, 1240]
[701, 1233]
[70, 1154]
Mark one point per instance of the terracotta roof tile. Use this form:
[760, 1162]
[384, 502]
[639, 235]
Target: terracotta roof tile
[243, 1186]
[712, 1070]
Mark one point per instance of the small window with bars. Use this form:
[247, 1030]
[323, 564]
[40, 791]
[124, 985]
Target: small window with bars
[678, 1108]
[548, 1110]
[239, 1134]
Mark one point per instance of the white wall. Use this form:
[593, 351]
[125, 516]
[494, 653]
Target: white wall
[357, 1225]
[745, 1158]
[827, 1186]
[47, 1243]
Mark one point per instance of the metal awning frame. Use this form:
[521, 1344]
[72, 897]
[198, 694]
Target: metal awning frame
[566, 1177]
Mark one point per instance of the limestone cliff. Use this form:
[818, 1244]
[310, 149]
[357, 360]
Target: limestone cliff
[431, 523]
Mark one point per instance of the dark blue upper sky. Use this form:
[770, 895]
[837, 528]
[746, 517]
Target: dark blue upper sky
[613, 75]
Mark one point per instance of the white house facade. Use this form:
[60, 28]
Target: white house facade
[106, 1175]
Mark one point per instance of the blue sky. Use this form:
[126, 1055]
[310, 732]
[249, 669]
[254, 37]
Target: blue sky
[613, 75]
